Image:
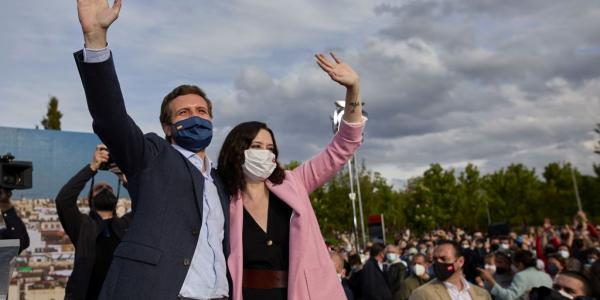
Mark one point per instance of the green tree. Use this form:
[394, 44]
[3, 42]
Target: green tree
[472, 200]
[514, 195]
[558, 192]
[52, 118]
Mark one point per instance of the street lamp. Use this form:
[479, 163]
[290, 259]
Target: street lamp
[336, 118]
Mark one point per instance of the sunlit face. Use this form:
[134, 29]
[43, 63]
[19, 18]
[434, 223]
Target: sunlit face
[568, 284]
[263, 141]
[187, 106]
[419, 260]
[445, 253]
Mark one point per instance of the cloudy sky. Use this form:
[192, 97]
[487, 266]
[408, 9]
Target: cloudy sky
[447, 81]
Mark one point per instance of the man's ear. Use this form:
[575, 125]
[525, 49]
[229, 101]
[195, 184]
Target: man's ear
[461, 261]
[167, 130]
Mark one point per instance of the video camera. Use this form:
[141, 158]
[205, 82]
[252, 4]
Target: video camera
[15, 174]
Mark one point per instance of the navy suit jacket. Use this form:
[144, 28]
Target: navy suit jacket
[166, 190]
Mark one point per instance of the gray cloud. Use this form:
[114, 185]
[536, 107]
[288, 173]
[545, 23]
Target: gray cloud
[449, 81]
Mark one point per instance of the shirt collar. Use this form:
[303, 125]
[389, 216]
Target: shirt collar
[193, 156]
[451, 286]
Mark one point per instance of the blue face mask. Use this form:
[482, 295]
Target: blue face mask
[193, 134]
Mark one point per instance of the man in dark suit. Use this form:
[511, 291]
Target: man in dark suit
[177, 243]
[374, 284]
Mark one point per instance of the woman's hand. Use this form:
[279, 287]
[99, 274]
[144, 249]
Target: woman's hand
[343, 74]
[338, 70]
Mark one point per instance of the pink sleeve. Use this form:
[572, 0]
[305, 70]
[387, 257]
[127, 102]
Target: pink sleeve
[316, 171]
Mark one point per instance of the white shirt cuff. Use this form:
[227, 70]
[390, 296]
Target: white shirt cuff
[362, 122]
[96, 55]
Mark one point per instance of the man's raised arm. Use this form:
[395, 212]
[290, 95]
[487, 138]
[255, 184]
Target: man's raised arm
[125, 141]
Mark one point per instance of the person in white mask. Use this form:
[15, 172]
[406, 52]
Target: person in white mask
[277, 249]
[394, 268]
[418, 277]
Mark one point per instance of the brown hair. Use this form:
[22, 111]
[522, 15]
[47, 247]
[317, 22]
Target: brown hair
[100, 187]
[184, 89]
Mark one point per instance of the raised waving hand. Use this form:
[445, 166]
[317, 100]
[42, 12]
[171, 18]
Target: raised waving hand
[95, 17]
[343, 74]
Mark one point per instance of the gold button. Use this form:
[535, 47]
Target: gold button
[269, 242]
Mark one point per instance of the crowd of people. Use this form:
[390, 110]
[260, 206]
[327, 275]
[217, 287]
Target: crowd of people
[543, 262]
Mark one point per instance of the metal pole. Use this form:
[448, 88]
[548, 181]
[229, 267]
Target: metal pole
[360, 206]
[352, 197]
[487, 208]
[482, 194]
[576, 189]
[383, 228]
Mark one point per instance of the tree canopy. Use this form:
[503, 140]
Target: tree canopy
[53, 115]
[466, 198]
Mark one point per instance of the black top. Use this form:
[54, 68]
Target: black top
[15, 228]
[94, 239]
[106, 243]
[267, 250]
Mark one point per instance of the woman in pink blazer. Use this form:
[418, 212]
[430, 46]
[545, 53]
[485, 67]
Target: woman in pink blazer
[277, 250]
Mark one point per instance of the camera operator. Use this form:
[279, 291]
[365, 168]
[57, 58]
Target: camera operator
[95, 235]
[15, 229]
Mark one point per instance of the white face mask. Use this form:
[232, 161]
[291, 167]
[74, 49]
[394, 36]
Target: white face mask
[391, 257]
[564, 253]
[491, 268]
[259, 164]
[419, 269]
[565, 294]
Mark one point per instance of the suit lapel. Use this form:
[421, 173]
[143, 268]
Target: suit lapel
[197, 184]
[224, 205]
[283, 192]
[440, 289]
[475, 294]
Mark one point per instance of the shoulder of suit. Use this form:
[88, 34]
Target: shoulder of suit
[429, 286]
[480, 292]
[155, 138]
[478, 289]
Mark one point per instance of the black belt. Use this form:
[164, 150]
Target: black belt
[186, 298]
[264, 279]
